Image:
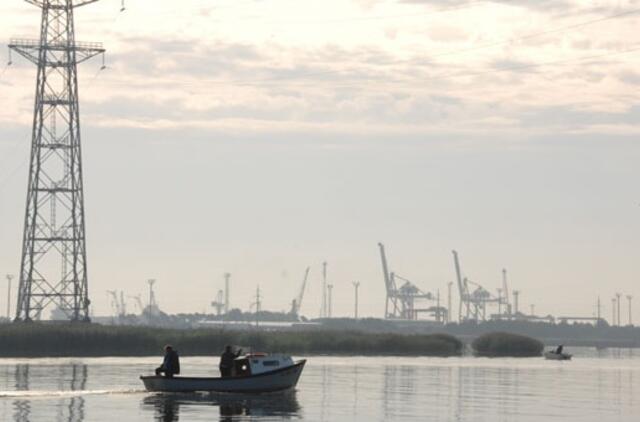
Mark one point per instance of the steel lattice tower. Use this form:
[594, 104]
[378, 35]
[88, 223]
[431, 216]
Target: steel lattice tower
[54, 256]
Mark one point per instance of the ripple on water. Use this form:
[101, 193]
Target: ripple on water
[595, 386]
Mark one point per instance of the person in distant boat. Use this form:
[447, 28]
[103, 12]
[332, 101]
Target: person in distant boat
[226, 361]
[171, 363]
[559, 350]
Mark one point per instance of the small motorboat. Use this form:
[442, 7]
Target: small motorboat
[253, 373]
[554, 355]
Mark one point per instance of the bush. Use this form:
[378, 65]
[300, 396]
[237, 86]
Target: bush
[506, 344]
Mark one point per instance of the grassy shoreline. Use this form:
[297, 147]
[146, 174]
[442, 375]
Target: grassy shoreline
[503, 344]
[92, 340]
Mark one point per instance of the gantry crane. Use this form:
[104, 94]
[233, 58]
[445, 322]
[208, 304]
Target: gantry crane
[402, 299]
[117, 303]
[138, 300]
[473, 301]
[297, 302]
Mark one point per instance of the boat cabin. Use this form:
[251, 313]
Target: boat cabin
[258, 363]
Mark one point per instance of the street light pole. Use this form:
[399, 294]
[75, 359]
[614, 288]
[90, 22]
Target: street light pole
[9, 278]
[356, 285]
[449, 301]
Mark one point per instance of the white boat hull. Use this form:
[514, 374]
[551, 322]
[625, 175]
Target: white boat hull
[280, 379]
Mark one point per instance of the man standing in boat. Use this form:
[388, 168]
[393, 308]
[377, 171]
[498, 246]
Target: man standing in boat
[226, 361]
[171, 363]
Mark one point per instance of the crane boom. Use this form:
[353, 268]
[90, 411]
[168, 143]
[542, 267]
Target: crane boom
[297, 302]
[302, 289]
[387, 277]
[456, 262]
[385, 267]
[115, 304]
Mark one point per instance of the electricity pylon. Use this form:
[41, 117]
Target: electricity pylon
[53, 268]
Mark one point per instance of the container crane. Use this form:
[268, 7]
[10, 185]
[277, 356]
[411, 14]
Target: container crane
[123, 305]
[116, 303]
[402, 299]
[473, 301]
[463, 289]
[138, 300]
[297, 302]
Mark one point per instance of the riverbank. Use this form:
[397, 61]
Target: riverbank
[579, 334]
[92, 340]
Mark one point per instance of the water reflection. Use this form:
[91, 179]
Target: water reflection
[603, 387]
[67, 378]
[78, 383]
[22, 408]
[167, 406]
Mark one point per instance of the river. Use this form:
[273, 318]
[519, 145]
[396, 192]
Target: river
[596, 385]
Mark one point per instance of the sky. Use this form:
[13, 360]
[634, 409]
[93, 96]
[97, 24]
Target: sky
[260, 137]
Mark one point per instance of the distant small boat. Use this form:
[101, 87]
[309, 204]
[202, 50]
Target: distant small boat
[552, 355]
[255, 373]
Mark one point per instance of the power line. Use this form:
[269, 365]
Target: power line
[172, 12]
[240, 82]
[346, 19]
[463, 6]
[539, 34]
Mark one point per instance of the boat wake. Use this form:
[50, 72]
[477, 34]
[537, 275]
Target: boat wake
[68, 393]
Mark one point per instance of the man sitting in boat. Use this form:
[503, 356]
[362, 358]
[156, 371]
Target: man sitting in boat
[559, 350]
[227, 361]
[171, 363]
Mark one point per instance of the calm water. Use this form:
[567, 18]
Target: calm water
[596, 386]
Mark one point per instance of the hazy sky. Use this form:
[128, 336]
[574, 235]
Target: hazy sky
[261, 137]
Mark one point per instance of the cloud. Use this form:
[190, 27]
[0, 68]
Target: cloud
[629, 77]
[538, 5]
[384, 82]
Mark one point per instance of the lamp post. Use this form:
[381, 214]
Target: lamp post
[356, 286]
[9, 279]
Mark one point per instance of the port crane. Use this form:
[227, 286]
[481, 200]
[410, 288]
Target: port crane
[117, 303]
[219, 304]
[400, 302]
[473, 297]
[297, 302]
[138, 300]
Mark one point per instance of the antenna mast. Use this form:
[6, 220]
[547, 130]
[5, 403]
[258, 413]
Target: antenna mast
[53, 268]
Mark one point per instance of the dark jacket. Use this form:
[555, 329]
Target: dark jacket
[227, 358]
[171, 362]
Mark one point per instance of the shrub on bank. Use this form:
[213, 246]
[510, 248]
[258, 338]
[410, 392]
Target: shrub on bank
[52, 340]
[506, 344]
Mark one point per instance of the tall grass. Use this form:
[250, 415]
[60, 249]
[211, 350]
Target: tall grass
[63, 340]
[506, 344]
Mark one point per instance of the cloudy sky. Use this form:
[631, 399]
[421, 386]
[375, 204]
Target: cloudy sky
[261, 137]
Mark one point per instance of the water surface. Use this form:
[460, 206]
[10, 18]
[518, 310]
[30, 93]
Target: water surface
[596, 386]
